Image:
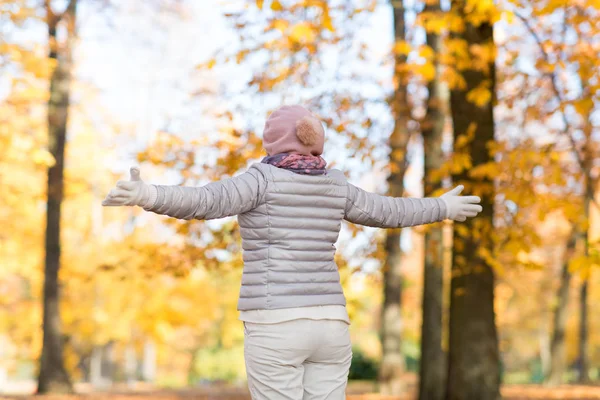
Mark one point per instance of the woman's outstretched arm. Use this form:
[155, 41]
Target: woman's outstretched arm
[216, 200]
[370, 209]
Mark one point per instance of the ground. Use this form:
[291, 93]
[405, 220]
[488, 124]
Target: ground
[221, 393]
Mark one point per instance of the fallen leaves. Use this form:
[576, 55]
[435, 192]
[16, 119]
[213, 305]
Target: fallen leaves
[525, 392]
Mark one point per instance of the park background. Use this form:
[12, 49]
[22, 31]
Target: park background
[502, 97]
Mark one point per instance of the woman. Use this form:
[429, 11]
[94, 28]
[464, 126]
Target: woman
[290, 210]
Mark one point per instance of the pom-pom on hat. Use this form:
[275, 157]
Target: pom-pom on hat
[293, 129]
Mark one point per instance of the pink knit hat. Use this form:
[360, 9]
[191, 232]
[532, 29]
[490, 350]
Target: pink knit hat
[293, 129]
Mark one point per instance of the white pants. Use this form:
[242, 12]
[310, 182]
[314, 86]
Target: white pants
[301, 359]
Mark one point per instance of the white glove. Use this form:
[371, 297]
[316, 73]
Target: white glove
[461, 207]
[133, 192]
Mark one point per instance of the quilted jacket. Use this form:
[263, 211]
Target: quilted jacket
[289, 225]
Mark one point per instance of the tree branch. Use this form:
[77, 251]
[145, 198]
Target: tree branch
[553, 81]
[51, 17]
[70, 7]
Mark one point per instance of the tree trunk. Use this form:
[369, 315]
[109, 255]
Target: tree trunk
[433, 359]
[109, 366]
[392, 363]
[582, 364]
[96, 379]
[149, 361]
[557, 344]
[130, 365]
[3, 376]
[53, 376]
[473, 362]
[192, 376]
[545, 342]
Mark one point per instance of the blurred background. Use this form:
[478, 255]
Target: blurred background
[416, 96]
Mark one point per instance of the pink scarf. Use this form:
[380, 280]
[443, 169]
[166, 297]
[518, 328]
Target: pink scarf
[298, 163]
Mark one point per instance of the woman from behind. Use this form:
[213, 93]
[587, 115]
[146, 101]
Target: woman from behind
[290, 209]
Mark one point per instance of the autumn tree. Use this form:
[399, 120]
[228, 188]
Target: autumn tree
[578, 127]
[433, 365]
[24, 160]
[568, 76]
[557, 344]
[52, 375]
[473, 360]
[40, 83]
[392, 362]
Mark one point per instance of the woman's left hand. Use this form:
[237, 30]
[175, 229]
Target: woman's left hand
[461, 207]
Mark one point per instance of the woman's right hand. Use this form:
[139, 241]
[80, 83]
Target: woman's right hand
[133, 192]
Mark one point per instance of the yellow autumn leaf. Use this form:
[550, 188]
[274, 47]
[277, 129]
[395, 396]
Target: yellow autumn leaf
[487, 170]
[471, 130]
[43, 157]
[427, 71]
[32, 94]
[327, 22]
[281, 25]
[481, 11]
[577, 263]
[163, 330]
[435, 23]
[303, 32]
[426, 52]
[453, 79]
[208, 65]
[461, 230]
[483, 54]
[508, 16]
[584, 106]
[276, 5]
[402, 47]
[461, 141]
[460, 163]
[490, 260]
[480, 96]
[241, 55]
[455, 23]
[458, 47]
[553, 5]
